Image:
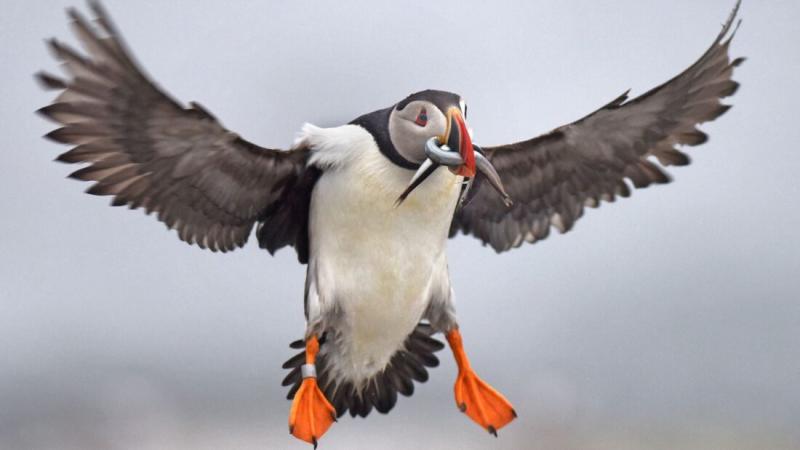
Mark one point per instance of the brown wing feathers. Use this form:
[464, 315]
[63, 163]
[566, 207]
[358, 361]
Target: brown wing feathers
[146, 150]
[552, 178]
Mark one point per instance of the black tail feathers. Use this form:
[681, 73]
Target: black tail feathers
[380, 392]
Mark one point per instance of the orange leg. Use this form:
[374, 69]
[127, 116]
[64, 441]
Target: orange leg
[474, 397]
[311, 414]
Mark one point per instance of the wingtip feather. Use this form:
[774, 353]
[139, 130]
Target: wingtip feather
[49, 82]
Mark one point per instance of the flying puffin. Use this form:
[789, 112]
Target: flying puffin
[368, 206]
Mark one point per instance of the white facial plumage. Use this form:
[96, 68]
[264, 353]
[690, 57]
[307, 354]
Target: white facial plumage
[408, 133]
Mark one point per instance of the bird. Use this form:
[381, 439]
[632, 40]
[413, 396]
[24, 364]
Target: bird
[368, 206]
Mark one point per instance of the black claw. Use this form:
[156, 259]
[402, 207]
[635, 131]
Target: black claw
[291, 429]
[333, 416]
[492, 430]
[314, 441]
[462, 407]
[514, 412]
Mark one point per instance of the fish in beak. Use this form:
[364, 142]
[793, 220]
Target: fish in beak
[455, 150]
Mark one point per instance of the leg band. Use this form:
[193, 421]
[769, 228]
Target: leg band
[308, 371]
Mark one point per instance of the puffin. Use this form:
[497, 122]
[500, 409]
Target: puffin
[368, 206]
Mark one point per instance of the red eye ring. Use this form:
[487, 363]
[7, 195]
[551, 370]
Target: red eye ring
[422, 118]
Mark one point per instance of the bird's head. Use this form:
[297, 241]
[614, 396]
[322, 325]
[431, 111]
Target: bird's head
[426, 115]
[426, 130]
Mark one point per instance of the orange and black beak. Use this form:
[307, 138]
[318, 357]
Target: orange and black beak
[457, 138]
[454, 149]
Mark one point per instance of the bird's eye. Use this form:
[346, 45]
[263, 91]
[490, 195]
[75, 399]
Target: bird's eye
[422, 118]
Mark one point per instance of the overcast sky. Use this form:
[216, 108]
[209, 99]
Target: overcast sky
[667, 320]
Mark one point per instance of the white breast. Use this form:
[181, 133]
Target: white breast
[373, 264]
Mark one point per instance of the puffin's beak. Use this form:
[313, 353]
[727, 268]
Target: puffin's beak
[441, 150]
[457, 138]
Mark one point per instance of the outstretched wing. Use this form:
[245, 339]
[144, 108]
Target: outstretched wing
[148, 151]
[552, 178]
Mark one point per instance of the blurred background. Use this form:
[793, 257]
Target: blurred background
[670, 320]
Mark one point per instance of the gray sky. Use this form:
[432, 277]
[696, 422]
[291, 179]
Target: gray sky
[668, 320]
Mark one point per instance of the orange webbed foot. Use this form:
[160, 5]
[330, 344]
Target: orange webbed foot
[474, 397]
[311, 414]
[482, 403]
